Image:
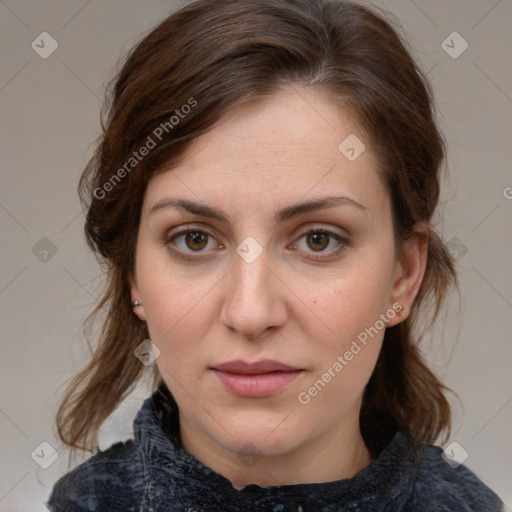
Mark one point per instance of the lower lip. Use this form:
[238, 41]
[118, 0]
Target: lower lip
[256, 386]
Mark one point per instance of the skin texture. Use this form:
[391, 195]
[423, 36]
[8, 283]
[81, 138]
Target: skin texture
[298, 302]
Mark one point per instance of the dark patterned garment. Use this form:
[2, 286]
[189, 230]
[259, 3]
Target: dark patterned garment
[152, 473]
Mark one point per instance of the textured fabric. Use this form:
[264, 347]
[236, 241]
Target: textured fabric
[152, 473]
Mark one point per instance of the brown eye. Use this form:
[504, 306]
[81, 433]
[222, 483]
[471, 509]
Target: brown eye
[196, 240]
[189, 242]
[322, 244]
[317, 241]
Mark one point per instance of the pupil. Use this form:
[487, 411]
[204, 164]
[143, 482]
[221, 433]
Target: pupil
[316, 239]
[196, 239]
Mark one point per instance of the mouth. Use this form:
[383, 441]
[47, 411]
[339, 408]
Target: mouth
[255, 380]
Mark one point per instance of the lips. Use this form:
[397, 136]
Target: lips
[255, 380]
[245, 368]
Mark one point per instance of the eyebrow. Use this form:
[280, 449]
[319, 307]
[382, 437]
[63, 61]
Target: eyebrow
[281, 215]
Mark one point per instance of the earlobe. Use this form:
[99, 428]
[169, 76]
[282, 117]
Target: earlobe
[409, 271]
[137, 304]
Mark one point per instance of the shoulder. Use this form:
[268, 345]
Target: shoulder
[439, 486]
[109, 480]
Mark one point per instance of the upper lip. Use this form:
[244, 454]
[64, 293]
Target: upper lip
[259, 367]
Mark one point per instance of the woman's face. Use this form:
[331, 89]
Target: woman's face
[249, 284]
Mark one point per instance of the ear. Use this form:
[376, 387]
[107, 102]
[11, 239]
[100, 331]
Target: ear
[409, 271]
[135, 295]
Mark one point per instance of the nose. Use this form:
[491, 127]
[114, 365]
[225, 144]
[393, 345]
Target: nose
[255, 298]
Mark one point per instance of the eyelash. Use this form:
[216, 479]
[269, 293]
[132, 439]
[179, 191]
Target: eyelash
[344, 242]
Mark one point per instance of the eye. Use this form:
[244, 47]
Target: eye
[319, 240]
[190, 240]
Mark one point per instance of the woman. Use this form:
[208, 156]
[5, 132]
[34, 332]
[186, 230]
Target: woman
[262, 200]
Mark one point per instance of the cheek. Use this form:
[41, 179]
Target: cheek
[344, 360]
[178, 324]
[350, 305]
[175, 314]
[177, 304]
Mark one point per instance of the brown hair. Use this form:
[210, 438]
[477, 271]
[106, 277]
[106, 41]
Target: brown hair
[214, 55]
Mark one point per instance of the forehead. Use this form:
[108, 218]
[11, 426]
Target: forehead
[277, 149]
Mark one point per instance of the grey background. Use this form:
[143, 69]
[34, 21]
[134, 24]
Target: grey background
[50, 115]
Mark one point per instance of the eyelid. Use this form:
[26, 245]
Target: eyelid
[186, 228]
[323, 229]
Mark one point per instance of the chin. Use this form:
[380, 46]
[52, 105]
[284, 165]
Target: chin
[264, 435]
